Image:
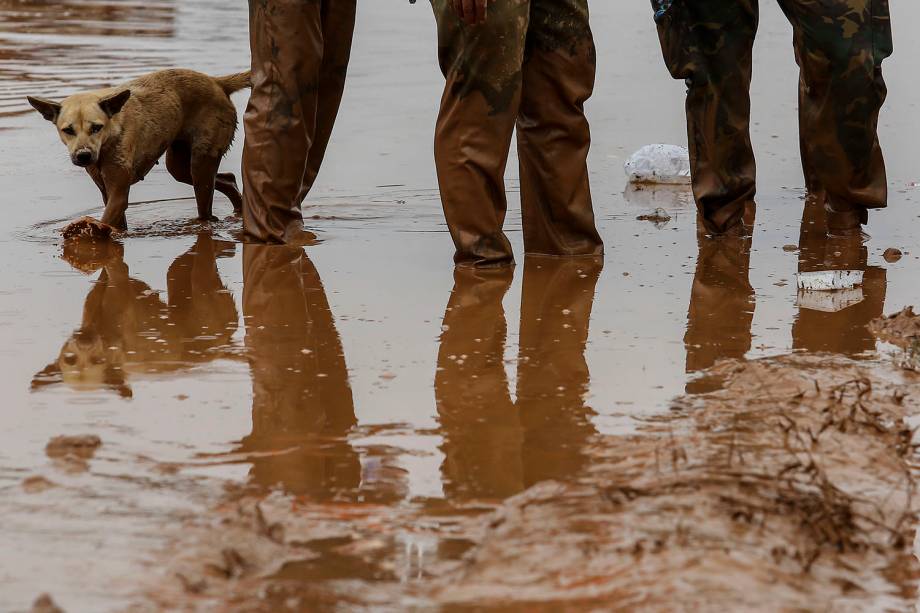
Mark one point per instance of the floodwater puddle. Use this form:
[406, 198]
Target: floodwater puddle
[195, 423]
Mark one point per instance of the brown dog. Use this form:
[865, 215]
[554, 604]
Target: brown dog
[119, 134]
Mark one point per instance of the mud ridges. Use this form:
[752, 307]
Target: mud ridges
[901, 329]
[791, 486]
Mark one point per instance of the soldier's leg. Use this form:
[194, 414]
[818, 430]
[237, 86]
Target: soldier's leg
[286, 37]
[553, 132]
[338, 29]
[840, 45]
[482, 65]
[710, 46]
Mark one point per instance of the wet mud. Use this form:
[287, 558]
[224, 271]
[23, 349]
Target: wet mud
[194, 423]
[793, 484]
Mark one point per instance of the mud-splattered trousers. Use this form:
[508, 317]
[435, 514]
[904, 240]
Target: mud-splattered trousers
[300, 53]
[839, 47]
[531, 65]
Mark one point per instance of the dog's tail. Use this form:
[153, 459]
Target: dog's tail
[235, 82]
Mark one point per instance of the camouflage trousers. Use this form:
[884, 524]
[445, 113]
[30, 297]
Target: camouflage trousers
[531, 65]
[300, 53]
[839, 47]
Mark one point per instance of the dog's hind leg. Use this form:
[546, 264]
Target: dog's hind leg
[204, 175]
[226, 184]
[179, 162]
[179, 165]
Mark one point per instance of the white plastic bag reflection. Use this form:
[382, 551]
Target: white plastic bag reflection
[829, 280]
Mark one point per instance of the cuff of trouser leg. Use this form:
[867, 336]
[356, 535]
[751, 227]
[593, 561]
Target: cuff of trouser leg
[843, 216]
[484, 264]
[503, 274]
[727, 219]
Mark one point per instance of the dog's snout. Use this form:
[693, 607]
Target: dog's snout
[83, 158]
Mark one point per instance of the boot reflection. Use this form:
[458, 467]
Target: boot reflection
[482, 431]
[721, 303]
[553, 374]
[302, 406]
[493, 446]
[836, 321]
[127, 330]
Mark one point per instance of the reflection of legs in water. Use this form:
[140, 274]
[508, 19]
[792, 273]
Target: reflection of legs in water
[301, 396]
[199, 304]
[553, 375]
[819, 326]
[492, 447]
[721, 301]
[482, 431]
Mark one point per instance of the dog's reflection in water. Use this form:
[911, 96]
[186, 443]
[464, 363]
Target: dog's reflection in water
[127, 329]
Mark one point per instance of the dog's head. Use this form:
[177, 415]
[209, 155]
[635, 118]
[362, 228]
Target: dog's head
[84, 121]
[85, 364]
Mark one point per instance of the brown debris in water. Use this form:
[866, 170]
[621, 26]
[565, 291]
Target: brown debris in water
[36, 484]
[88, 227]
[45, 604]
[892, 255]
[901, 329]
[659, 217]
[72, 453]
[83, 446]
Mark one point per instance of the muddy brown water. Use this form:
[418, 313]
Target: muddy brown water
[360, 384]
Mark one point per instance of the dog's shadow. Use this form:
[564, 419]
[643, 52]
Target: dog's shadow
[128, 330]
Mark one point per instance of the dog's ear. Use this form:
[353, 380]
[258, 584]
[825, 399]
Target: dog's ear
[48, 108]
[49, 375]
[112, 104]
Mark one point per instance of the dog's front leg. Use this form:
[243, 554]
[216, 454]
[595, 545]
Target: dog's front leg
[117, 188]
[96, 176]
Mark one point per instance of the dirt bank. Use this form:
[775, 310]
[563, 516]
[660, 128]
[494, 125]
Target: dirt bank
[791, 485]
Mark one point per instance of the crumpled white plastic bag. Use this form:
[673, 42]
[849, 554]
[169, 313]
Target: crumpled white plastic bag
[663, 164]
